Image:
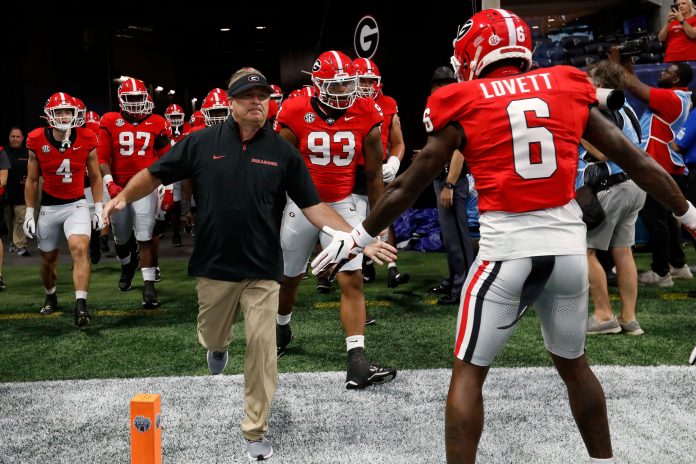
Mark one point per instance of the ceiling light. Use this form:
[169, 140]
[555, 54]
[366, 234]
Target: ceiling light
[224, 29]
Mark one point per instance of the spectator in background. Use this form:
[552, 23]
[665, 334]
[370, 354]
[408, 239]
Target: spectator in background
[18, 157]
[685, 143]
[679, 33]
[621, 200]
[668, 106]
[4, 167]
[452, 191]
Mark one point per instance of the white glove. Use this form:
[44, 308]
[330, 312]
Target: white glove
[97, 219]
[390, 168]
[344, 247]
[29, 225]
[688, 219]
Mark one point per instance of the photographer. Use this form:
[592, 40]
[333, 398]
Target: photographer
[679, 34]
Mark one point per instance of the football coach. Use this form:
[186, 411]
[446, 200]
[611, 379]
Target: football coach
[241, 171]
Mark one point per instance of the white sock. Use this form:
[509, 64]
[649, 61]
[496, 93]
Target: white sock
[149, 273]
[125, 260]
[283, 320]
[79, 294]
[355, 341]
[602, 461]
[50, 291]
[391, 265]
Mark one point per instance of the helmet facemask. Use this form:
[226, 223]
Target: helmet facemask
[339, 92]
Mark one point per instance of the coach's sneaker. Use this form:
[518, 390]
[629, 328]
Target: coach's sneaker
[24, 252]
[283, 338]
[217, 360]
[394, 278]
[595, 327]
[259, 450]
[368, 270]
[149, 295]
[631, 328]
[82, 317]
[680, 272]
[127, 273]
[50, 305]
[653, 278]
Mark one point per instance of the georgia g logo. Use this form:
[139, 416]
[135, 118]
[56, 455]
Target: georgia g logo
[316, 66]
[461, 32]
[366, 37]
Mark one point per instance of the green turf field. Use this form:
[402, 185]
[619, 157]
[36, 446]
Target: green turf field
[411, 333]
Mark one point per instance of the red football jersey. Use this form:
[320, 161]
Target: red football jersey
[389, 110]
[522, 134]
[62, 168]
[128, 147]
[330, 147]
[93, 126]
[176, 136]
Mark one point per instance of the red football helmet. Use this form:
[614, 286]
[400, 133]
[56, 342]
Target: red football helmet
[333, 76]
[133, 98]
[92, 116]
[197, 119]
[216, 107]
[277, 94]
[58, 102]
[369, 79]
[490, 36]
[81, 112]
[175, 115]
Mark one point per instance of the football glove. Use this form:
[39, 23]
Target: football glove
[97, 216]
[29, 225]
[390, 169]
[344, 247]
[167, 200]
[112, 187]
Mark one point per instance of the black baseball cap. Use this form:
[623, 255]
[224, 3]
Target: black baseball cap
[247, 82]
[443, 74]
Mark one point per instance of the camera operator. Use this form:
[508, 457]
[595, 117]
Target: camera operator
[679, 34]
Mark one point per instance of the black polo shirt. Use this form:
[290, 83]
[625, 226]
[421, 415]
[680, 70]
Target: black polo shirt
[240, 196]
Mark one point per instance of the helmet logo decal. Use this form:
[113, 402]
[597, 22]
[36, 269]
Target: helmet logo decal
[461, 32]
[366, 37]
[316, 66]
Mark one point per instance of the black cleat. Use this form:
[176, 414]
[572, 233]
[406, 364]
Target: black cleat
[395, 279]
[448, 300]
[323, 285]
[127, 273]
[441, 289]
[369, 319]
[50, 305]
[283, 338]
[149, 295]
[362, 374]
[368, 271]
[176, 240]
[2, 284]
[82, 317]
[104, 243]
[158, 274]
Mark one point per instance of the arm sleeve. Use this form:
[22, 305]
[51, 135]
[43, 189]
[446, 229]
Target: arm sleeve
[177, 164]
[665, 104]
[298, 182]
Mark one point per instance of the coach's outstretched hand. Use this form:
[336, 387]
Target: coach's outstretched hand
[346, 246]
[112, 206]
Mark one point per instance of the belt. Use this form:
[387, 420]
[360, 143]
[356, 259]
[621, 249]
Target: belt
[612, 180]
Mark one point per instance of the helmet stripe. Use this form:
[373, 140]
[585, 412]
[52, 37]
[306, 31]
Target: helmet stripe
[512, 34]
[338, 60]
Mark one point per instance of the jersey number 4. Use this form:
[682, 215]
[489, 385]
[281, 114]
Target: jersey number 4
[319, 143]
[127, 140]
[64, 170]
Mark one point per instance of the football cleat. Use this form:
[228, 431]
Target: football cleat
[283, 338]
[82, 317]
[50, 305]
[323, 285]
[692, 358]
[369, 319]
[127, 273]
[149, 295]
[362, 374]
[395, 279]
[368, 271]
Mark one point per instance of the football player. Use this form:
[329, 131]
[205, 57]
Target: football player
[370, 86]
[197, 120]
[519, 132]
[169, 204]
[61, 154]
[330, 129]
[129, 141]
[216, 107]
